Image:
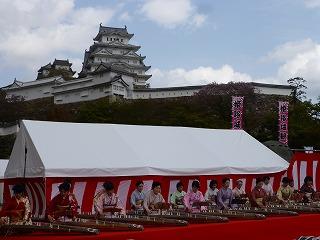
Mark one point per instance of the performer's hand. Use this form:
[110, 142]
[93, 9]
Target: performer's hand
[51, 219]
[74, 218]
[3, 221]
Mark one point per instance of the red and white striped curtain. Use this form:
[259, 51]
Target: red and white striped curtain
[41, 191]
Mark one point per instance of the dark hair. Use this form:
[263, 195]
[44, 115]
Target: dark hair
[66, 185]
[285, 180]
[155, 184]
[179, 184]
[266, 178]
[259, 180]
[213, 182]
[108, 186]
[308, 179]
[19, 188]
[138, 183]
[196, 184]
[224, 180]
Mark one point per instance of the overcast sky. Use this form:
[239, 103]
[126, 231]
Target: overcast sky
[186, 42]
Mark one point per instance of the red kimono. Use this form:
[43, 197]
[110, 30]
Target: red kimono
[17, 211]
[63, 206]
[258, 195]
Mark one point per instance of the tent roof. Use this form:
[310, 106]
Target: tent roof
[58, 149]
[3, 166]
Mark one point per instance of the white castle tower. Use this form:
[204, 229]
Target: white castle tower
[112, 48]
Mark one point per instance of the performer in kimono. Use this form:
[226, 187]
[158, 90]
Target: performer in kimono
[194, 196]
[258, 194]
[239, 194]
[137, 197]
[64, 206]
[176, 198]
[17, 210]
[211, 193]
[285, 192]
[307, 189]
[106, 202]
[267, 186]
[225, 195]
[153, 198]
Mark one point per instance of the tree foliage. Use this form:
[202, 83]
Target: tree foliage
[210, 108]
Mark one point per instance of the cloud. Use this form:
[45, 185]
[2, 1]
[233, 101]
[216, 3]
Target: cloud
[299, 59]
[289, 50]
[125, 17]
[295, 59]
[197, 76]
[312, 3]
[34, 32]
[172, 13]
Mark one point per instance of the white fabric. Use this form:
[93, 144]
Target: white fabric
[3, 166]
[56, 149]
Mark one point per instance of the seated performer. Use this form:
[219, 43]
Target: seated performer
[64, 206]
[17, 210]
[211, 193]
[137, 197]
[153, 198]
[239, 194]
[307, 189]
[291, 184]
[225, 195]
[258, 194]
[267, 186]
[106, 202]
[176, 198]
[285, 191]
[194, 196]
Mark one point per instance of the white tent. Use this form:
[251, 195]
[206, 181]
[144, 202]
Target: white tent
[56, 149]
[3, 166]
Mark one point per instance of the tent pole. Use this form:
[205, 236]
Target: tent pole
[25, 161]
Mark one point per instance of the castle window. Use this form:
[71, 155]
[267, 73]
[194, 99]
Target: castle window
[107, 39]
[110, 39]
[121, 40]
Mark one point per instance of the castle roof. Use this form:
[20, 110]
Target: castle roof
[45, 67]
[112, 30]
[18, 84]
[62, 62]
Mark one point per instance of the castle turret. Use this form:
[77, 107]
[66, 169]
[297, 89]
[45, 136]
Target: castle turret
[57, 68]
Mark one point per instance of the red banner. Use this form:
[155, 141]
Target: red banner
[283, 122]
[237, 112]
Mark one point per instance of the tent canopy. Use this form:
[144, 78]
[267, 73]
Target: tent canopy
[59, 149]
[3, 166]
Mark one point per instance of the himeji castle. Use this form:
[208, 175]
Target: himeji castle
[113, 69]
[112, 48]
